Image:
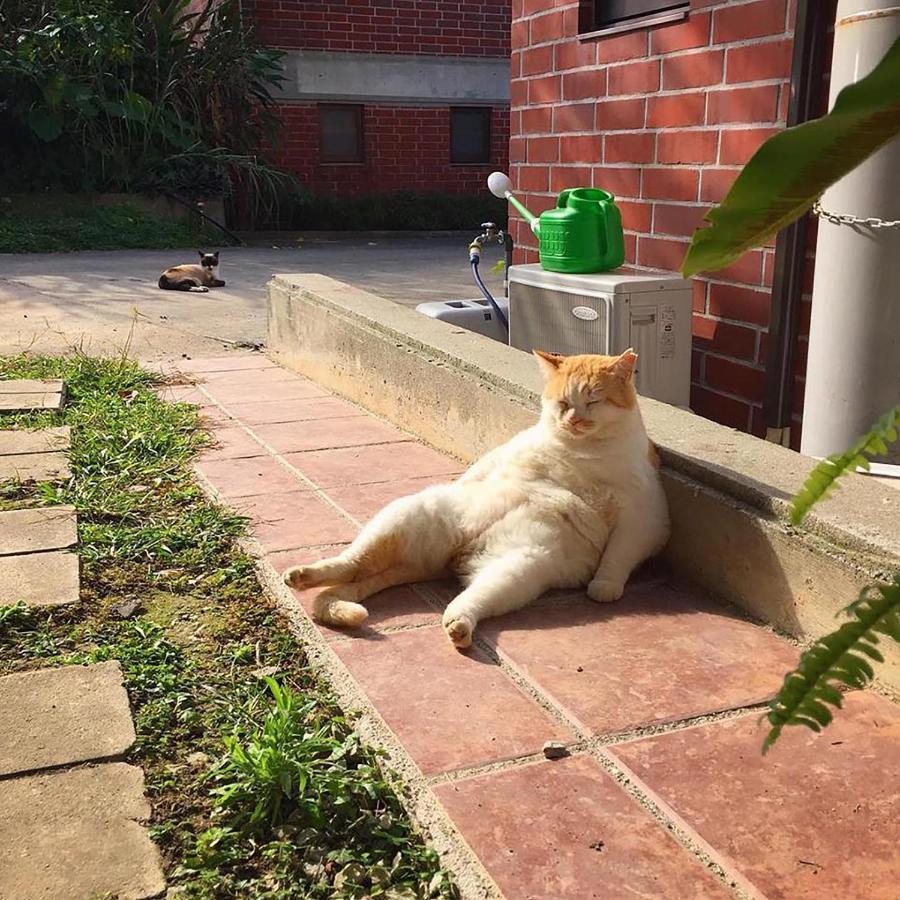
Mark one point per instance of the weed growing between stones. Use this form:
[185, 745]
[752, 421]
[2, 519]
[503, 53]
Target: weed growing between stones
[259, 786]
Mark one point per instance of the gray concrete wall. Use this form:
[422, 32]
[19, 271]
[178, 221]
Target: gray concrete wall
[728, 491]
[315, 75]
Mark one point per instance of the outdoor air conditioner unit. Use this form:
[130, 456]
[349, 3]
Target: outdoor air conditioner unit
[607, 313]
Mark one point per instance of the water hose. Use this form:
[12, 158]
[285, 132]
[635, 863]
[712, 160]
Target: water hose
[474, 259]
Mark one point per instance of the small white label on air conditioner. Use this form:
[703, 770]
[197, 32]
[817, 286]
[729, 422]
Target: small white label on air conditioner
[585, 313]
[667, 332]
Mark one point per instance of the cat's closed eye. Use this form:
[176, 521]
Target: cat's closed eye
[563, 405]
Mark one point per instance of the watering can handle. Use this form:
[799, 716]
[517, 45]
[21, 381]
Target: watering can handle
[562, 201]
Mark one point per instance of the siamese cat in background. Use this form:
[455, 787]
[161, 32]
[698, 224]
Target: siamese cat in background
[193, 278]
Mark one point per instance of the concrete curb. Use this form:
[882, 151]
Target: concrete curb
[728, 491]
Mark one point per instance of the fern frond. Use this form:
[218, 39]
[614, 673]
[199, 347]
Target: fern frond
[837, 659]
[822, 479]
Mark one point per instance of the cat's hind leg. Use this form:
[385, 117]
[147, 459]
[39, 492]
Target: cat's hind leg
[409, 540]
[500, 585]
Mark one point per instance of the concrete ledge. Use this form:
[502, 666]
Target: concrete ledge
[728, 491]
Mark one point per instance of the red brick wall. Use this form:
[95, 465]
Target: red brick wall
[405, 148]
[663, 117]
[435, 27]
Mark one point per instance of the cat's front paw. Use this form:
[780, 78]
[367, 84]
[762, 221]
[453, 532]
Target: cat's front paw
[296, 577]
[605, 590]
[459, 630]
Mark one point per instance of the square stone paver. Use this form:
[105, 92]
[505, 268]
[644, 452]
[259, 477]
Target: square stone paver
[51, 717]
[13, 403]
[364, 465]
[324, 433]
[24, 394]
[362, 501]
[271, 411]
[23, 467]
[182, 393]
[264, 386]
[818, 816]
[29, 530]
[233, 443]
[42, 440]
[565, 830]
[248, 477]
[30, 386]
[659, 654]
[75, 834]
[298, 519]
[450, 710]
[39, 579]
[396, 606]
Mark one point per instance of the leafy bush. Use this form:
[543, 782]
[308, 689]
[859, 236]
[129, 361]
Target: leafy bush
[398, 211]
[125, 95]
[96, 228]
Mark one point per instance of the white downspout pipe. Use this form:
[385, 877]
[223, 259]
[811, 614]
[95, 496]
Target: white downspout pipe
[853, 373]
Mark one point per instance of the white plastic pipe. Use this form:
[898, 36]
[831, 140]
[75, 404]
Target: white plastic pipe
[853, 372]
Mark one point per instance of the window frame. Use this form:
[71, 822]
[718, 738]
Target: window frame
[591, 25]
[359, 157]
[487, 114]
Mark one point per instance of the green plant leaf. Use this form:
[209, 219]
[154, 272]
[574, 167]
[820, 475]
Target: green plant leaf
[835, 660]
[790, 171]
[45, 124]
[136, 107]
[821, 480]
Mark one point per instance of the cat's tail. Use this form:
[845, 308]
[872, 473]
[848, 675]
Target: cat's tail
[338, 606]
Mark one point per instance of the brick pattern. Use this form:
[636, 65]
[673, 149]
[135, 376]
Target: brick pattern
[663, 118]
[405, 148]
[461, 28]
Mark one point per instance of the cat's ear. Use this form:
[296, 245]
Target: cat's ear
[549, 362]
[624, 364]
[216, 255]
[200, 254]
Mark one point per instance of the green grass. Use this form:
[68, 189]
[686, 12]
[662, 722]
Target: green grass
[95, 228]
[260, 788]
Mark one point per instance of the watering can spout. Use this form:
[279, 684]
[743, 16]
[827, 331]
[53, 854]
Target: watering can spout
[500, 186]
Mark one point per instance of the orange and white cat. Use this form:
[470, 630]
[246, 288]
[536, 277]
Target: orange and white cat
[575, 500]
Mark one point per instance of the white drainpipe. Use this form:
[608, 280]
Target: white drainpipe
[853, 374]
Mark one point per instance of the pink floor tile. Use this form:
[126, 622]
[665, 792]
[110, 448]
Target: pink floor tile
[297, 519]
[395, 607]
[251, 390]
[364, 465]
[248, 477]
[271, 411]
[232, 443]
[565, 830]
[362, 501]
[657, 655]
[450, 710]
[233, 362]
[182, 393]
[321, 434]
[819, 816]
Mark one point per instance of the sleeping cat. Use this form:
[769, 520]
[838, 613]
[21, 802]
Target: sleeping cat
[575, 500]
[193, 278]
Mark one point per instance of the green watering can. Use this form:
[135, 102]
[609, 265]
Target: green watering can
[582, 234]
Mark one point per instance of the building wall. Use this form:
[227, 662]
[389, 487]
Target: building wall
[458, 28]
[420, 58]
[406, 148]
[663, 117]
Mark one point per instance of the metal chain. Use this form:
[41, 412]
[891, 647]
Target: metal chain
[838, 219]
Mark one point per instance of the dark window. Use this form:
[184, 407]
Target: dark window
[341, 134]
[595, 15]
[470, 134]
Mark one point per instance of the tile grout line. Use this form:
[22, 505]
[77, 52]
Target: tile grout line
[679, 830]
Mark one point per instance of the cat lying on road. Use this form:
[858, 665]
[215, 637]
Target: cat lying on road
[575, 500]
[198, 279]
